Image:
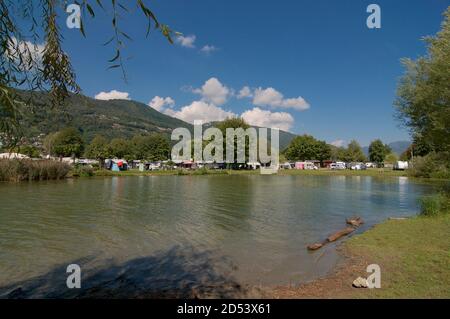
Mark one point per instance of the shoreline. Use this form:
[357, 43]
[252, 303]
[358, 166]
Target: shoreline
[414, 263]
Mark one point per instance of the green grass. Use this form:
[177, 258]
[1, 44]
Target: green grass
[435, 204]
[414, 256]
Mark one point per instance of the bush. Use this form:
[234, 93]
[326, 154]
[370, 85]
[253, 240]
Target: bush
[434, 205]
[433, 165]
[22, 170]
[83, 171]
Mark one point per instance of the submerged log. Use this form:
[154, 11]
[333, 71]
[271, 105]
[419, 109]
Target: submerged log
[315, 246]
[340, 234]
[354, 221]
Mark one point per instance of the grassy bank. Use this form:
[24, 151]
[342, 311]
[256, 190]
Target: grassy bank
[414, 256]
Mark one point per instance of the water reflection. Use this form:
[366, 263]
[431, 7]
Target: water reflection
[262, 224]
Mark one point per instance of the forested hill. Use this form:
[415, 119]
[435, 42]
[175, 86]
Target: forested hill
[113, 118]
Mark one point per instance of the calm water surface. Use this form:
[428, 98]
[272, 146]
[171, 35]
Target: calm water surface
[251, 228]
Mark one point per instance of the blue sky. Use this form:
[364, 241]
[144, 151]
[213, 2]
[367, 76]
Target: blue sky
[320, 51]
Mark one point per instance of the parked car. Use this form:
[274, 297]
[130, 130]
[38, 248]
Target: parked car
[357, 166]
[337, 165]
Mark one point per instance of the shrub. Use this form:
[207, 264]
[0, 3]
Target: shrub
[83, 171]
[434, 165]
[434, 204]
[23, 170]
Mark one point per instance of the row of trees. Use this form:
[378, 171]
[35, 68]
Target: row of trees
[69, 142]
[306, 147]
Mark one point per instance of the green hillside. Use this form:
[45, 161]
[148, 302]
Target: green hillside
[113, 118]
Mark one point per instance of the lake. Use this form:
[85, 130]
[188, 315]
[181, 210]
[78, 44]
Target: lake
[162, 231]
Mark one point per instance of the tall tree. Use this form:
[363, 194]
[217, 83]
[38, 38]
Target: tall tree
[378, 151]
[153, 147]
[235, 123]
[120, 148]
[306, 147]
[68, 142]
[98, 149]
[423, 94]
[354, 152]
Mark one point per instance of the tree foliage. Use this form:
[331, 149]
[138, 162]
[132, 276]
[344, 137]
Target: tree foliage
[153, 147]
[354, 153]
[68, 142]
[423, 94]
[120, 148]
[25, 64]
[98, 149]
[378, 151]
[306, 147]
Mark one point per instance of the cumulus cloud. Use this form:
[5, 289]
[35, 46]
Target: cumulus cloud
[112, 95]
[338, 143]
[161, 103]
[245, 92]
[273, 98]
[186, 41]
[26, 49]
[213, 92]
[201, 110]
[208, 49]
[265, 118]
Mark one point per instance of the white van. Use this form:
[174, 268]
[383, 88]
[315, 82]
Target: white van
[401, 165]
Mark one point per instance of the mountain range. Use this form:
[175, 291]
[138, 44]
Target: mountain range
[112, 118]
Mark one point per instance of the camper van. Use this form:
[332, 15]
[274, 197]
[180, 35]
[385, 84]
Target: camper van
[400, 165]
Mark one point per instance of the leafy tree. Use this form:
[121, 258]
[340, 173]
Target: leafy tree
[391, 158]
[423, 94]
[153, 147]
[28, 66]
[29, 150]
[323, 151]
[68, 142]
[354, 153]
[337, 153]
[378, 151]
[234, 122]
[306, 147]
[120, 148]
[98, 149]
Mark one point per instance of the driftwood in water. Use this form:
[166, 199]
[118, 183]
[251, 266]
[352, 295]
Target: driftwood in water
[315, 246]
[397, 218]
[340, 234]
[354, 221]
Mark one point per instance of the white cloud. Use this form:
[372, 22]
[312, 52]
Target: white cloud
[213, 92]
[264, 118]
[25, 48]
[245, 92]
[338, 143]
[273, 98]
[161, 103]
[186, 41]
[208, 49]
[112, 95]
[201, 110]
